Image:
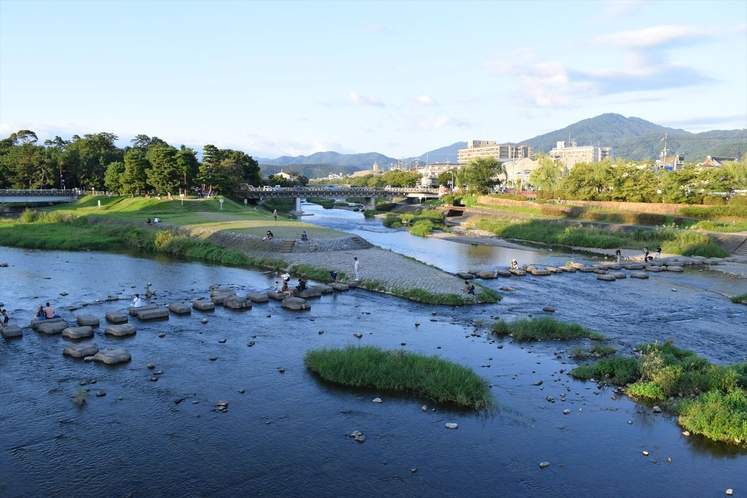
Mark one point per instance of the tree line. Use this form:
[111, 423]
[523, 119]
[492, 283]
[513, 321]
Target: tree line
[95, 162]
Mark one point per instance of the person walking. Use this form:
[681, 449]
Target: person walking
[357, 268]
[275, 214]
[618, 253]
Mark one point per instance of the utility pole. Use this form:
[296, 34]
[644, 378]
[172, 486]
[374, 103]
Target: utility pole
[665, 151]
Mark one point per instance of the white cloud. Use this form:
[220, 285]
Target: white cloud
[359, 99]
[425, 100]
[656, 36]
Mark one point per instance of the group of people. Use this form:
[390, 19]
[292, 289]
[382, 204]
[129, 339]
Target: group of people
[647, 258]
[285, 287]
[154, 220]
[45, 312]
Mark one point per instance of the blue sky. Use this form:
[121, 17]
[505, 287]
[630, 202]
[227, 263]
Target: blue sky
[398, 78]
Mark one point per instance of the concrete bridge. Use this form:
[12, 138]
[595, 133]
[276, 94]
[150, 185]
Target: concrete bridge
[32, 196]
[369, 194]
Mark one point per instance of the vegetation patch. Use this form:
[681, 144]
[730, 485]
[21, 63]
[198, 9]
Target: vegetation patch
[543, 328]
[596, 350]
[427, 376]
[740, 299]
[709, 399]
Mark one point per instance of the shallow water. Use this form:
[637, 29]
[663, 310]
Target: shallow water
[286, 435]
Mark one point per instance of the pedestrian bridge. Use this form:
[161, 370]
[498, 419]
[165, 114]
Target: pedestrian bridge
[31, 196]
[369, 194]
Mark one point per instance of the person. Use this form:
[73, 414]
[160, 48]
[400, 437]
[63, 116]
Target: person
[6, 318]
[268, 235]
[276, 287]
[468, 288]
[333, 275]
[285, 289]
[275, 214]
[618, 254]
[658, 252]
[304, 236]
[301, 285]
[514, 265]
[148, 222]
[645, 255]
[49, 312]
[136, 302]
[156, 220]
[39, 313]
[357, 268]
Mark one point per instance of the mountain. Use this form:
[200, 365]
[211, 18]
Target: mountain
[638, 139]
[442, 155]
[360, 161]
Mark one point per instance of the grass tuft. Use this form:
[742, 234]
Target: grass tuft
[543, 328]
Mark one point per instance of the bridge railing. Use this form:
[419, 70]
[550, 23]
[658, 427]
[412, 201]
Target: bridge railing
[39, 192]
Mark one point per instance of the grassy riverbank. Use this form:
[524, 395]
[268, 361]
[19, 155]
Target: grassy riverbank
[708, 399]
[427, 376]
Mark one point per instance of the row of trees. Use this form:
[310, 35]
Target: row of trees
[94, 162]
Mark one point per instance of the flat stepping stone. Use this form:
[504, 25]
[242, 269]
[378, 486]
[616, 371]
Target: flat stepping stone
[309, 293]
[179, 308]
[218, 296]
[618, 274]
[296, 304]
[642, 276]
[324, 289]
[567, 269]
[89, 320]
[12, 330]
[83, 332]
[153, 314]
[674, 268]
[81, 350]
[218, 291]
[52, 327]
[339, 286]
[487, 274]
[606, 277]
[276, 295]
[133, 311]
[504, 273]
[257, 297]
[586, 269]
[578, 266]
[653, 269]
[540, 273]
[465, 275]
[237, 303]
[112, 356]
[202, 304]
[36, 322]
[116, 317]
[122, 330]
[633, 266]
[517, 272]
[508, 289]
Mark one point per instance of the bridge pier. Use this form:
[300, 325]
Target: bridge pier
[369, 203]
[298, 204]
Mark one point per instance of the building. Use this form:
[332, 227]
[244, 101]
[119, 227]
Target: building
[517, 172]
[489, 148]
[716, 161]
[569, 154]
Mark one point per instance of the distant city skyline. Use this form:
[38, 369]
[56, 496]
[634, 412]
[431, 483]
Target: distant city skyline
[397, 78]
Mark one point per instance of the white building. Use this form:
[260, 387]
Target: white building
[568, 154]
[489, 148]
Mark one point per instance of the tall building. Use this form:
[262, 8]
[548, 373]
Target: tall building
[569, 154]
[489, 148]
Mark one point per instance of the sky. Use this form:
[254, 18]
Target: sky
[396, 77]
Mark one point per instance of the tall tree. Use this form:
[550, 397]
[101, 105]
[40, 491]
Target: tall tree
[546, 177]
[481, 173]
[135, 175]
[164, 174]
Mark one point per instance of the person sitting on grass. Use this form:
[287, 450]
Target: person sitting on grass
[468, 288]
[268, 235]
[304, 236]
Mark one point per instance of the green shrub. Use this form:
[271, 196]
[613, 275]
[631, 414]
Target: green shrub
[422, 228]
[740, 299]
[543, 328]
[717, 415]
[617, 370]
[427, 376]
[738, 200]
[648, 390]
[714, 200]
[385, 206]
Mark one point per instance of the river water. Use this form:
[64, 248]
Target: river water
[286, 434]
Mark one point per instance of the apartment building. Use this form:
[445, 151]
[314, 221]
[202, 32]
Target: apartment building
[569, 153]
[489, 148]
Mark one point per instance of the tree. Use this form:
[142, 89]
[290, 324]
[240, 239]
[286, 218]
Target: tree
[224, 169]
[546, 177]
[164, 174]
[481, 173]
[114, 176]
[589, 181]
[135, 175]
[90, 157]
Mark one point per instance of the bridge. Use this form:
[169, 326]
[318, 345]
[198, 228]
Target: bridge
[32, 196]
[369, 194]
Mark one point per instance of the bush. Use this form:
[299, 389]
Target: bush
[617, 370]
[708, 212]
[422, 228]
[717, 415]
[714, 200]
[543, 328]
[648, 390]
[385, 206]
[738, 200]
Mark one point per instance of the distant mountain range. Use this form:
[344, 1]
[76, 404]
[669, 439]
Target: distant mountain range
[630, 138]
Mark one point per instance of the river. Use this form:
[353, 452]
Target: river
[287, 433]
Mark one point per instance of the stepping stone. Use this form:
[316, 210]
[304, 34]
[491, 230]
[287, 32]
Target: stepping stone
[276, 295]
[202, 304]
[122, 330]
[257, 297]
[11, 331]
[218, 296]
[116, 317]
[465, 275]
[606, 277]
[633, 266]
[36, 322]
[324, 289]
[112, 356]
[296, 304]
[81, 350]
[237, 303]
[642, 276]
[487, 274]
[540, 273]
[52, 327]
[88, 320]
[133, 311]
[310, 292]
[517, 272]
[618, 274]
[83, 332]
[153, 314]
[504, 273]
[179, 308]
[586, 269]
[578, 266]
[653, 269]
[675, 268]
[339, 286]
[567, 269]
